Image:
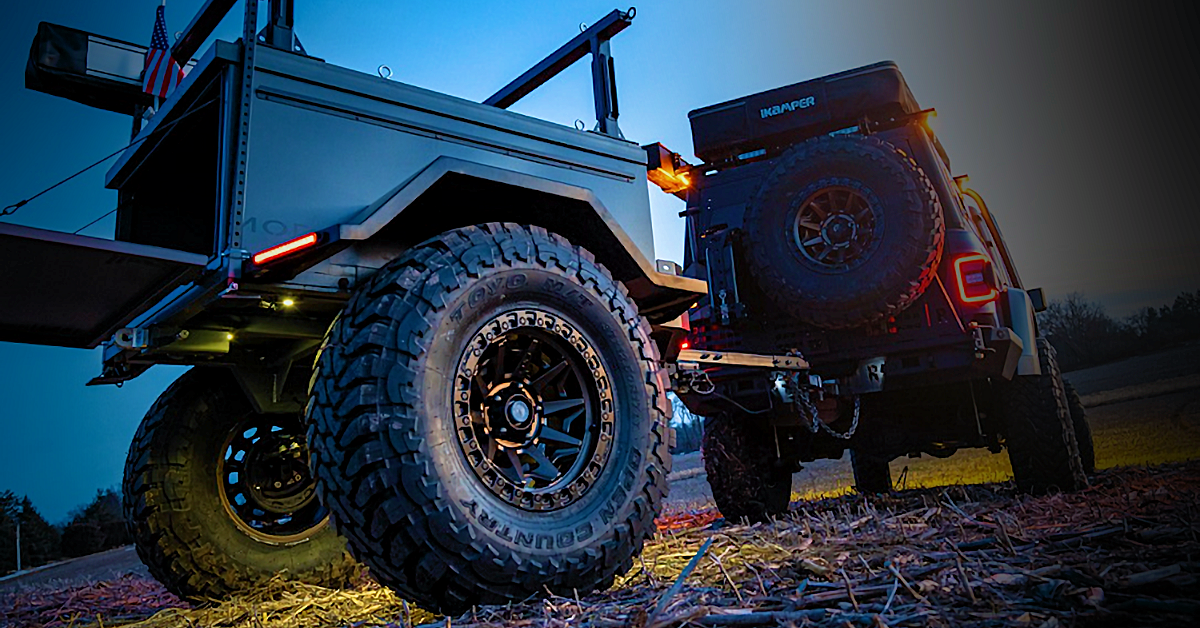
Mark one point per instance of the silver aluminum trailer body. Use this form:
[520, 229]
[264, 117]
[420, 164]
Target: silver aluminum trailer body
[237, 161]
[331, 147]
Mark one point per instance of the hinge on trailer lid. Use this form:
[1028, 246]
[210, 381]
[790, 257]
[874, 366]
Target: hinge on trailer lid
[132, 338]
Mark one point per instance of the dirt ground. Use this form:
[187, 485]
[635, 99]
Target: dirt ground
[1142, 412]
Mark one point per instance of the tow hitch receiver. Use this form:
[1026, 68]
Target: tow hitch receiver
[694, 358]
[688, 375]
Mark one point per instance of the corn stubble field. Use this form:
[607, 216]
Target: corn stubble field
[957, 547]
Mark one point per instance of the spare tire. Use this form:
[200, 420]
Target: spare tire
[845, 231]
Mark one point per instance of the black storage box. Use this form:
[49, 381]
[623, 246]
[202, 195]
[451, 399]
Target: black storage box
[797, 112]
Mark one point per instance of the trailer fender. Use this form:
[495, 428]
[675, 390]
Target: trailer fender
[571, 211]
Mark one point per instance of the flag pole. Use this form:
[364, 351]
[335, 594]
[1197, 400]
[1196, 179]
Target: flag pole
[157, 100]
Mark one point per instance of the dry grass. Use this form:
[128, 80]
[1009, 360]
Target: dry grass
[282, 604]
[1119, 553]
[1123, 552]
[959, 547]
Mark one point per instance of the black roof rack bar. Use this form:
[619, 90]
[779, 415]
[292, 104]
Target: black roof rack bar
[203, 24]
[592, 40]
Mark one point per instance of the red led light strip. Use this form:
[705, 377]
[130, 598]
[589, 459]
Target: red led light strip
[291, 246]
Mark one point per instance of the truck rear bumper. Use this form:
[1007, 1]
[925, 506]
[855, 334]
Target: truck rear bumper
[981, 353]
[987, 352]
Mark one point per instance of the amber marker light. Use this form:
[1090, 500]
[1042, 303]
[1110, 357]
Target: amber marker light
[667, 181]
[287, 248]
[930, 120]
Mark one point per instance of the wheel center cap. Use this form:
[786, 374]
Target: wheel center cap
[518, 412]
[839, 230]
[511, 414]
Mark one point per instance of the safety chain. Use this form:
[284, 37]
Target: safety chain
[698, 381]
[848, 433]
[808, 410]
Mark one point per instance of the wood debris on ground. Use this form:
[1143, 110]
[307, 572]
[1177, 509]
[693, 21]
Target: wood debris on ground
[110, 603]
[1123, 552]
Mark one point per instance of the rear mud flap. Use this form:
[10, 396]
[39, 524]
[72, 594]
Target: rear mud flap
[75, 291]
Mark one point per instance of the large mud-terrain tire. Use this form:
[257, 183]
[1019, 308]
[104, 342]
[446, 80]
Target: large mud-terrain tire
[1083, 430]
[739, 459]
[1038, 429]
[186, 533]
[872, 475]
[429, 389]
[845, 230]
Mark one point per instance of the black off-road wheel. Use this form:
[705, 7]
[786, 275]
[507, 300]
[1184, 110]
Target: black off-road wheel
[740, 461]
[1038, 429]
[219, 499]
[845, 231]
[872, 475]
[1083, 430]
[489, 421]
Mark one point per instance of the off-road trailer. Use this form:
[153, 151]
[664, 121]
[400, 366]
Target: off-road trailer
[485, 418]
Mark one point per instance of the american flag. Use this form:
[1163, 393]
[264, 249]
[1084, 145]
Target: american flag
[161, 73]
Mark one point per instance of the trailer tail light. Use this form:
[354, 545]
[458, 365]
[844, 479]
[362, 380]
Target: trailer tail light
[287, 248]
[975, 278]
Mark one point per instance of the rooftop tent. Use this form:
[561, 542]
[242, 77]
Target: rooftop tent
[97, 71]
[807, 109]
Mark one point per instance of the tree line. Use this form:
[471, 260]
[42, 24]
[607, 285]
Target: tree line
[93, 527]
[1085, 335]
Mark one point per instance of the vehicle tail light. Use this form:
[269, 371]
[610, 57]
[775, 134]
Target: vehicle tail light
[287, 248]
[975, 278]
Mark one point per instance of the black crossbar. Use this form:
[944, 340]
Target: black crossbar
[203, 24]
[561, 59]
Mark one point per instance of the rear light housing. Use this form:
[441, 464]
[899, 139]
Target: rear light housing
[975, 279]
[290, 247]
